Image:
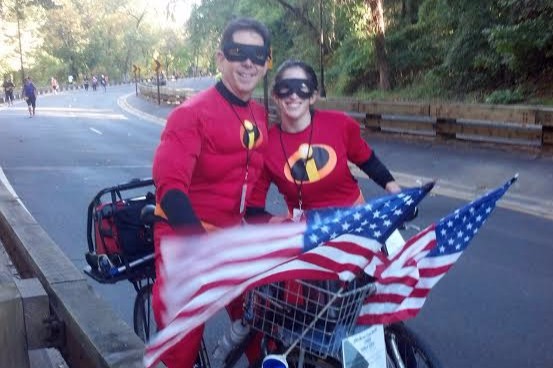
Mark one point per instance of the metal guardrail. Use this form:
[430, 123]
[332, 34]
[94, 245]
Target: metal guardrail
[81, 325]
[518, 124]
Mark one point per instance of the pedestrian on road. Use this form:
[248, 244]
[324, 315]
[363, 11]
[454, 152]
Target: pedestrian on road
[85, 82]
[29, 94]
[103, 82]
[54, 85]
[8, 90]
[94, 83]
[209, 158]
[308, 151]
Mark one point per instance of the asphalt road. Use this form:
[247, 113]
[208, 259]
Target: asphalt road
[493, 309]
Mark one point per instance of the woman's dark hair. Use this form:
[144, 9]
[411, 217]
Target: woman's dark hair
[244, 24]
[291, 63]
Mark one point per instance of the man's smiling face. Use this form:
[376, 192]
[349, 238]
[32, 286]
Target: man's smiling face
[241, 77]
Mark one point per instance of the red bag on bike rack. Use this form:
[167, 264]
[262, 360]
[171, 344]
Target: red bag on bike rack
[105, 232]
[116, 233]
[119, 230]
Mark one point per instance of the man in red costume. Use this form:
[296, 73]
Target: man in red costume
[210, 157]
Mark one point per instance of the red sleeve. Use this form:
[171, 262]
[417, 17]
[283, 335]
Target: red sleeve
[260, 189]
[358, 149]
[178, 151]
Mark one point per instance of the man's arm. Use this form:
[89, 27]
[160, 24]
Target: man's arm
[174, 163]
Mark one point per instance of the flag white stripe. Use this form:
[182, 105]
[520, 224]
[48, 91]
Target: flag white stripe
[201, 255]
[395, 288]
[375, 309]
[367, 243]
[411, 250]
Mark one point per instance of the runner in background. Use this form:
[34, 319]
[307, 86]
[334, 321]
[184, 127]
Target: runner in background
[8, 91]
[29, 94]
[54, 85]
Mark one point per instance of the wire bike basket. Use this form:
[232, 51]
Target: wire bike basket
[315, 315]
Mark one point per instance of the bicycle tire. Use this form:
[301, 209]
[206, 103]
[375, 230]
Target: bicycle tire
[413, 351]
[145, 326]
[143, 315]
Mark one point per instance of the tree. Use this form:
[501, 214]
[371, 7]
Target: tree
[14, 12]
[377, 23]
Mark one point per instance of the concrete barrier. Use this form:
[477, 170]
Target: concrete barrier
[81, 325]
[13, 344]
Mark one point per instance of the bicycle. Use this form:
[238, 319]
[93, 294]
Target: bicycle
[328, 310]
[120, 245]
[121, 249]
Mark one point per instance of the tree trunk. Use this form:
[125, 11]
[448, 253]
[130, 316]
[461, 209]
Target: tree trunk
[382, 63]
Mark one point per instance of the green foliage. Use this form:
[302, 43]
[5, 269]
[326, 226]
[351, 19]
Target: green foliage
[524, 41]
[505, 96]
[454, 49]
[353, 67]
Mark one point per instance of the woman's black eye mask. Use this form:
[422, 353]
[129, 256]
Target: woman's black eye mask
[240, 52]
[303, 88]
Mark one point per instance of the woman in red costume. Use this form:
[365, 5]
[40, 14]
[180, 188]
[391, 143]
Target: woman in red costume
[210, 156]
[308, 152]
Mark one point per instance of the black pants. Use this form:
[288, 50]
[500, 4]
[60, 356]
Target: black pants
[9, 96]
[31, 101]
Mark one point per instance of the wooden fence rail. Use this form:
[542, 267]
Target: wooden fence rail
[515, 124]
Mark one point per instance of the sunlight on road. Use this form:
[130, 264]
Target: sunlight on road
[68, 112]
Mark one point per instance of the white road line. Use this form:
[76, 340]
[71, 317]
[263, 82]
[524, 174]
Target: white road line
[96, 131]
[123, 104]
[6, 183]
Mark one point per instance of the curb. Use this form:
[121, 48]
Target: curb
[124, 105]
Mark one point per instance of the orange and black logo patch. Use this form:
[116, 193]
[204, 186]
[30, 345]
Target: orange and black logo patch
[250, 135]
[310, 164]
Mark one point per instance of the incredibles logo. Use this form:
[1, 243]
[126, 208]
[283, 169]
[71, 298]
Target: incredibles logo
[250, 134]
[310, 164]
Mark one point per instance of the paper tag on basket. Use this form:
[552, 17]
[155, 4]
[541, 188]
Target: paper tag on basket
[365, 349]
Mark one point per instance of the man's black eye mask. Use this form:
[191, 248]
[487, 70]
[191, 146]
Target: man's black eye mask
[240, 52]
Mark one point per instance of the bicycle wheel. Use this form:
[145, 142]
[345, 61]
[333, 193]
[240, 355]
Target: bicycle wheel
[406, 349]
[145, 325]
[143, 316]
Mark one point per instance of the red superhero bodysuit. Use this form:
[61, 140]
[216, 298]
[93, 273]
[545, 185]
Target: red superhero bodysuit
[208, 144]
[324, 179]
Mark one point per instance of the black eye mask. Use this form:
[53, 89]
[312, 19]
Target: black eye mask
[240, 52]
[303, 88]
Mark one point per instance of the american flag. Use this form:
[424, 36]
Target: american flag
[204, 274]
[403, 286]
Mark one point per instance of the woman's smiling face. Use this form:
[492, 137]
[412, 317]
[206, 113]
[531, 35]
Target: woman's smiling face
[293, 108]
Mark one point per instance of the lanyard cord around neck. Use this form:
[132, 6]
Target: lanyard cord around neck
[300, 185]
[251, 140]
[249, 145]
